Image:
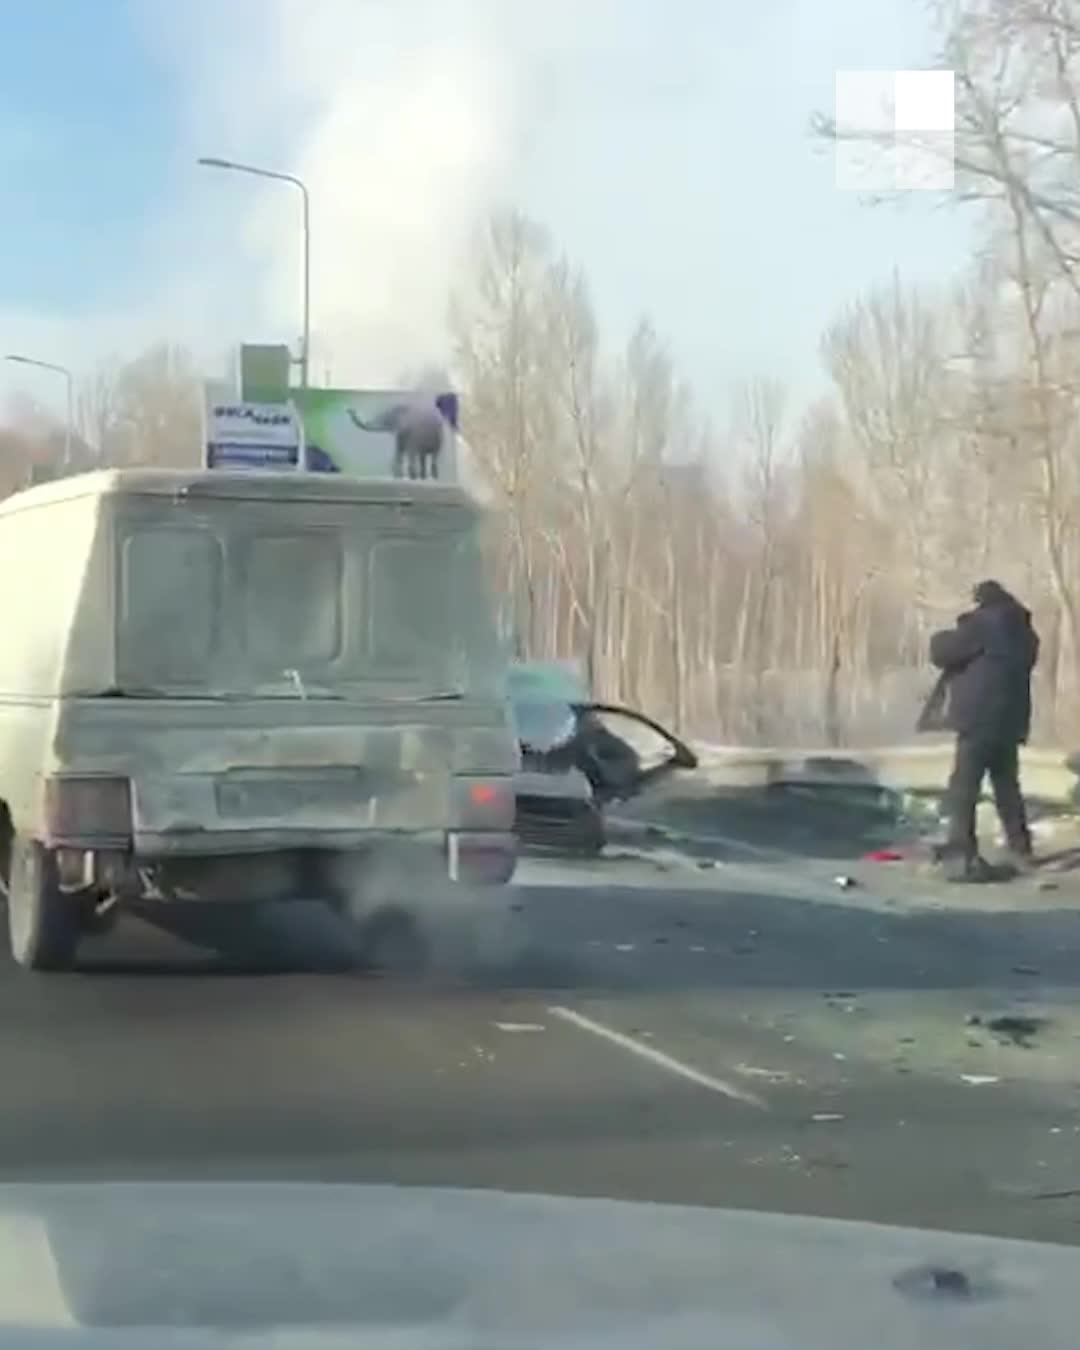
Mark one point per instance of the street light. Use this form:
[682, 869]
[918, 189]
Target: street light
[212, 162]
[60, 370]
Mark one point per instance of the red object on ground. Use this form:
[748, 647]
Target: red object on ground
[884, 855]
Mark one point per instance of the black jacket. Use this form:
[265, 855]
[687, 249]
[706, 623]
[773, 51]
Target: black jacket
[988, 658]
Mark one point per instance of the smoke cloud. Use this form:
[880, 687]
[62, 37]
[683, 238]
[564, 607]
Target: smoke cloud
[402, 121]
[407, 121]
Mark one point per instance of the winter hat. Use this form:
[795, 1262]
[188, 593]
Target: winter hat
[991, 593]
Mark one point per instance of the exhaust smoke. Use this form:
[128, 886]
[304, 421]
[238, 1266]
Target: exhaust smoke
[412, 919]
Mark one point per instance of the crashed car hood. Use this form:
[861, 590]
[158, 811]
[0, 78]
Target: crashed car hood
[391, 1266]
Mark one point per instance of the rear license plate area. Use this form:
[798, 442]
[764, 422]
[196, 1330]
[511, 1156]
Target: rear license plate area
[258, 795]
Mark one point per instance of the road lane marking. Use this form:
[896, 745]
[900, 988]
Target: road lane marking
[657, 1057]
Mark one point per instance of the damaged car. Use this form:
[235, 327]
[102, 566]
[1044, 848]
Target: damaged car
[578, 757]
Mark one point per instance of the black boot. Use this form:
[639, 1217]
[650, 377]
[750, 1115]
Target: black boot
[1020, 858]
[974, 871]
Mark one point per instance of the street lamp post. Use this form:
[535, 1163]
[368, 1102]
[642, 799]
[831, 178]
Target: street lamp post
[59, 370]
[212, 162]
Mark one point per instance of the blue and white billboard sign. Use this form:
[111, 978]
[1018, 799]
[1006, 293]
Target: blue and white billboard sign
[243, 435]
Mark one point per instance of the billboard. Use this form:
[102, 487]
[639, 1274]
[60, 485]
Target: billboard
[264, 373]
[350, 430]
[239, 435]
[264, 424]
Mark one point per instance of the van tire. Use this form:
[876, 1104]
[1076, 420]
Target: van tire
[43, 923]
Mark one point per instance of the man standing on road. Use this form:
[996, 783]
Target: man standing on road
[987, 658]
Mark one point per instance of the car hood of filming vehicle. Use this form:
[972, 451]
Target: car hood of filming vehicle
[299, 1264]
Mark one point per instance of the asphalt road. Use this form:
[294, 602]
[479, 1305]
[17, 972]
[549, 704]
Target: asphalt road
[743, 1035]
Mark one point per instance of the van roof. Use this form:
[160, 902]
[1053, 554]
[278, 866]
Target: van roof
[246, 485]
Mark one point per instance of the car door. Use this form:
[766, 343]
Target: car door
[622, 751]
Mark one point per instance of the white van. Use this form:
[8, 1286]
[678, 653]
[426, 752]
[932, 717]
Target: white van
[220, 686]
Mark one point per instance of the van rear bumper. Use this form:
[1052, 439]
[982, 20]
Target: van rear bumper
[281, 865]
[154, 845]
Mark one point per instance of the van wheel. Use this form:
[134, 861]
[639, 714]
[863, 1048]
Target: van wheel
[43, 924]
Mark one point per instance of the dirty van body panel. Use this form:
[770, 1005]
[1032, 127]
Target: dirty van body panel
[220, 775]
[332, 676]
[228, 666]
[56, 624]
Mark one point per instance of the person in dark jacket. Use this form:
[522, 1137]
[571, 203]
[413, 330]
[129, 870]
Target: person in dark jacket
[987, 658]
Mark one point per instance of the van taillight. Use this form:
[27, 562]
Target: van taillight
[484, 803]
[87, 808]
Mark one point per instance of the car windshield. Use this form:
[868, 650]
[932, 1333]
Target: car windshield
[542, 725]
[546, 681]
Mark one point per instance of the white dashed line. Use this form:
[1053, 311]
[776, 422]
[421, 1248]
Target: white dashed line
[658, 1057]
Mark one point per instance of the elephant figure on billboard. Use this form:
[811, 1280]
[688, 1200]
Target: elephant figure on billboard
[418, 428]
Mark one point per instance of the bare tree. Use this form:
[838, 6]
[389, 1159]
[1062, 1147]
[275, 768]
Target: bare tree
[582, 403]
[155, 414]
[35, 442]
[758, 433]
[497, 322]
[18, 455]
[886, 358]
[797, 602]
[1018, 105]
[96, 410]
[644, 402]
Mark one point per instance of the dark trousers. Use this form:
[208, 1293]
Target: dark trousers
[976, 757]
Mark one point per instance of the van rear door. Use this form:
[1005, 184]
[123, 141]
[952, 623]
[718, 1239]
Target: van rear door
[300, 669]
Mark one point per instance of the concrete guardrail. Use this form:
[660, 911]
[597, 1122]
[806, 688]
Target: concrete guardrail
[1044, 773]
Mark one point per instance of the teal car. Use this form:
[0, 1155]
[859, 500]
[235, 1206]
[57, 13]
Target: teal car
[574, 762]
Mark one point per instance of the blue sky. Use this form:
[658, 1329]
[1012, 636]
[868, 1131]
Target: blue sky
[663, 142]
[87, 125]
